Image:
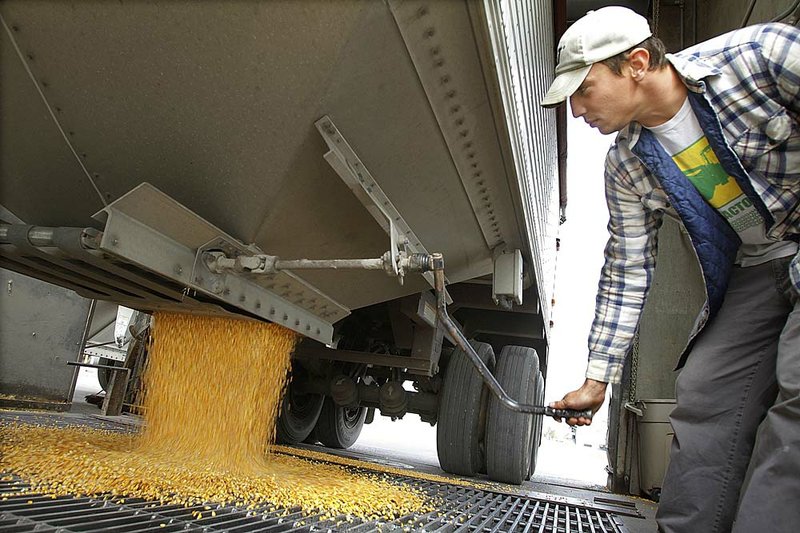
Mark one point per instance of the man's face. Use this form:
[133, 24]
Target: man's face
[604, 99]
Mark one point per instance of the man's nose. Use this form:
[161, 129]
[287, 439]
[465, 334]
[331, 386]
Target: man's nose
[577, 109]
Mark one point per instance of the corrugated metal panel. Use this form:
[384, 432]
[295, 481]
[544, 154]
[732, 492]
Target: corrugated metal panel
[522, 37]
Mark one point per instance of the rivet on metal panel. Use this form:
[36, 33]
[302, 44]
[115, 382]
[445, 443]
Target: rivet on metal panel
[422, 11]
[258, 305]
[308, 327]
[114, 242]
[435, 51]
[296, 322]
[242, 298]
[318, 332]
[178, 270]
[227, 291]
[455, 109]
[15, 28]
[272, 310]
[430, 32]
[439, 63]
[446, 80]
[198, 279]
[30, 57]
[450, 94]
[285, 317]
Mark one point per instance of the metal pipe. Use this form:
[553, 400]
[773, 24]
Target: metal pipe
[335, 264]
[788, 12]
[36, 235]
[41, 236]
[748, 13]
[483, 370]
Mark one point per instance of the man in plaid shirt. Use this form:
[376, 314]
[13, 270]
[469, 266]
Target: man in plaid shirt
[709, 135]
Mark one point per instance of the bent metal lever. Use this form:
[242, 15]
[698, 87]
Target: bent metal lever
[437, 265]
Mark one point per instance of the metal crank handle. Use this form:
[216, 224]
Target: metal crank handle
[567, 413]
[436, 263]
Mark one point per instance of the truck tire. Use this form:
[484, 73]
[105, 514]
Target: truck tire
[339, 427]
[462, 413]
[104, 374]
[510, 435]
[538, 426]
[299, 415]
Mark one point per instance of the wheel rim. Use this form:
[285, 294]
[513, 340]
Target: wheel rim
[351, 416]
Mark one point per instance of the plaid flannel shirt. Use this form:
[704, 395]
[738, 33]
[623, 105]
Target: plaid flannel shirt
[751, 78]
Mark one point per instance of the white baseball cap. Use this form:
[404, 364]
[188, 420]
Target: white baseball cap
[594, 37]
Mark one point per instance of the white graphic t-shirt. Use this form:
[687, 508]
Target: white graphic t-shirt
[684, 140]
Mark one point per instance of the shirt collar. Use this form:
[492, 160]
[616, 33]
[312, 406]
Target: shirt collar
[693, 70]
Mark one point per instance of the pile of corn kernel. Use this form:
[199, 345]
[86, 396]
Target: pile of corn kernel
[213, 392]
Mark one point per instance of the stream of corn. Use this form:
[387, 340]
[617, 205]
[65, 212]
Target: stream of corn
[213, 391]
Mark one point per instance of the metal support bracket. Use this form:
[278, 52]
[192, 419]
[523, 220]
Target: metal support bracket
[344, 160]
[149, 229]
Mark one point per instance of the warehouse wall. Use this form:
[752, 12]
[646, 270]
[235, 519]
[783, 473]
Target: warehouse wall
[41, 328]
[675, 299]
[719, 16]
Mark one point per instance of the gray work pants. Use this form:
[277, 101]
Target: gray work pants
[735, 460]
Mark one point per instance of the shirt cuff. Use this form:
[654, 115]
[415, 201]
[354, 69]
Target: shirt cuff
[600, 369]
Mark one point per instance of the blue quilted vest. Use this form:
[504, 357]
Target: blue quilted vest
[713, 239]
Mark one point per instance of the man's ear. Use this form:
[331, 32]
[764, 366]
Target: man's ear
[638, 63]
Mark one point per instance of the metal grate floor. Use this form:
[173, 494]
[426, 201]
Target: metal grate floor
[460, 509]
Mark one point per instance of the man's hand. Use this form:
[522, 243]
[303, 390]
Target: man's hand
[591, 395]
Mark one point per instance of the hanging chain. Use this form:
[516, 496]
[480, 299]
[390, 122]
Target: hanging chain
[632, 397]
[656, 13]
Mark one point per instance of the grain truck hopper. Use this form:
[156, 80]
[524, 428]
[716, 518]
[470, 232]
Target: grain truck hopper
[203, 157]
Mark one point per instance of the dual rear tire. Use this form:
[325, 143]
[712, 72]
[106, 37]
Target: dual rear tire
[475, 432]
[315, 418]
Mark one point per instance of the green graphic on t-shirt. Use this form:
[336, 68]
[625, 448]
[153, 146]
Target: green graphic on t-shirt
[700, 165]
[707, 176]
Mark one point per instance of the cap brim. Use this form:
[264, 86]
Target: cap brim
[564, 85]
